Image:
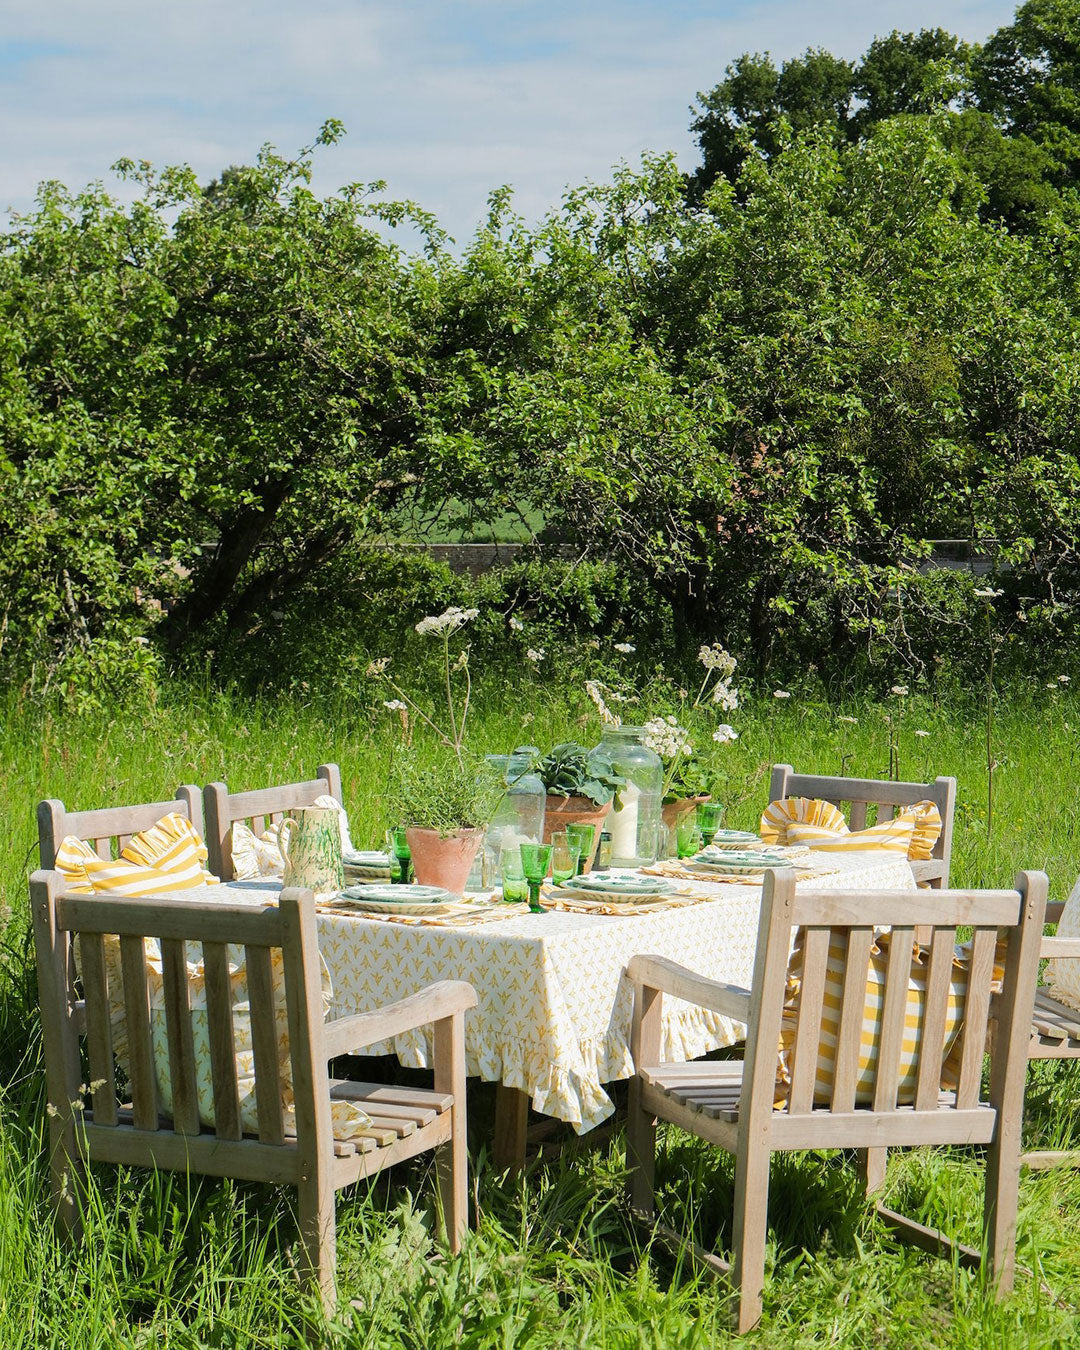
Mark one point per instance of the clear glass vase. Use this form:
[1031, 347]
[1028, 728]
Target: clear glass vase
[634, 822]
[519, 816]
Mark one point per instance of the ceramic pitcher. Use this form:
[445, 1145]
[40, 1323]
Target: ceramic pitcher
[310, 843]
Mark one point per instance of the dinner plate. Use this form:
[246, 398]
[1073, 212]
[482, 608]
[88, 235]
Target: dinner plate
[723, 840]
[626, 886]
[366, 858]
[397, 899]
[739, 864]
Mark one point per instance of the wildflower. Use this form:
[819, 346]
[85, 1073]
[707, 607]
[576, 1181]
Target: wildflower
[449, 621]
[526, 718]
[900, 690]
[536, 654]
[595, 691]
[987, 593]
[625, 647]
[1063, 679]
[716, 658]
[395, 705]
[781, 693]
[922, 733]
[724, 734]
[515, 624]
[852, 721]
[1052, 685]
[666, 738]
[377, 667]
[725, 697]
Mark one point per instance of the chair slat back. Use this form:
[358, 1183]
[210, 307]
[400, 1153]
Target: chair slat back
[882, 796]
[178, 929]
[257, 808]
[109, 828]
[833, 1018]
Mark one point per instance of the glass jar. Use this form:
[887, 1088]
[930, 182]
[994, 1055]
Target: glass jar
[634, 822]
[519, 816]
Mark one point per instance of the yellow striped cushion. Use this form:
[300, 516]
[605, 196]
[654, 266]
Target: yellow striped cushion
[927, 821]
[890, 836]
[167, 857]
[871, 1028]
[778, 816]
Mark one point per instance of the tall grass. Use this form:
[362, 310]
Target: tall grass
[554, 1259]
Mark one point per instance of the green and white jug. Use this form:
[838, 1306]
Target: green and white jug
[310, 843]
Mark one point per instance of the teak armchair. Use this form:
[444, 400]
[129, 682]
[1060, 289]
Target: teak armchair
[93, 1125]
[111, 825]
[258, 807]
[731, 1103]
[888, 797]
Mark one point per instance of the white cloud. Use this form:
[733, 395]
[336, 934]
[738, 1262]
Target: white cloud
[444, 101]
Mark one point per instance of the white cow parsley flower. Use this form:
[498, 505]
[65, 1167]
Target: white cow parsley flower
[781, 693]
[449, 621]
[627, 648]
[724, 734]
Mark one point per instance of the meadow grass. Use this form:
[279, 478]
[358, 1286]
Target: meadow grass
[554, 1259]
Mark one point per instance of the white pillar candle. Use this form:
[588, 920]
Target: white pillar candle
[624, 825]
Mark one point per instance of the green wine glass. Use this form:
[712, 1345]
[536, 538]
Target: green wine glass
[535, 861]
[709, 816]
[688, 836]
[403, 854]
[582, 835]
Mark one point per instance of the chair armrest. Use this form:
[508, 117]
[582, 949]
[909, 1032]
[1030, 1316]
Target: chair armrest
[345, 1035]
[657, 972]
[1055, 946]
[1054, 910]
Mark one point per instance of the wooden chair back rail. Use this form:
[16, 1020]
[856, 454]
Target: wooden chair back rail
[257, 807]
[111, 825]
[888, 798]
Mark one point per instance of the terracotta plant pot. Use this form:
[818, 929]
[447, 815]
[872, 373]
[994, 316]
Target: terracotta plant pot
[444, 862]
[562, 811]
[673, 812]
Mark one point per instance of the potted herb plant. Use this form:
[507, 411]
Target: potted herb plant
[446, 806]
[580, 790]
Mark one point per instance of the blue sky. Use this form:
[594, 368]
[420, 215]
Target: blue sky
[443, 100]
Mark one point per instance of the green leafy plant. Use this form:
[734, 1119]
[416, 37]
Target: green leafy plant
[569, 770]
[443, 794]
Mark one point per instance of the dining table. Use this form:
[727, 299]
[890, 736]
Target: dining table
[554, 1005]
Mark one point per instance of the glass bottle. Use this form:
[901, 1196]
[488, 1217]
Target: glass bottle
[519, 816]
[634, 822]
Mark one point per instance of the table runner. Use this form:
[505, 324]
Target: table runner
[554, 1004]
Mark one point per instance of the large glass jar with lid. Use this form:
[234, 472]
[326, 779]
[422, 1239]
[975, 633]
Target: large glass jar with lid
[634, 823]
[519, 816]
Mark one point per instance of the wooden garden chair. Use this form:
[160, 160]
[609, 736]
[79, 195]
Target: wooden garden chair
[890, 799]
[109, 828]
[1055, 1033]
[258, 808]
[731, 1103]
[93, 1125]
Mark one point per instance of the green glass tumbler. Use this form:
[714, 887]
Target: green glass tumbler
[535, 861]
[582, 835]
[709, 816]
[514, 886]
[564, 857]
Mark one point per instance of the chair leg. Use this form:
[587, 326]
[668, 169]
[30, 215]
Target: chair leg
[1000, 1207]
[452, 1168]
[318, 1239]
[872, 1165]
[67, 1179]
[751, 1214]
[641, 1153]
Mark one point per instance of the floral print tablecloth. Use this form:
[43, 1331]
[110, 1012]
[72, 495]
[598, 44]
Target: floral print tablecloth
[554, 1004]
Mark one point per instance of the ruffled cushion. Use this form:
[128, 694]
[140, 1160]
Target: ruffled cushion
[927, 820]
[891, 836]
[260, 855]
[169, 856]
[777, 816]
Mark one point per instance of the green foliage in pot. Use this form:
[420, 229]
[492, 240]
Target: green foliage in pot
[569, 770]
[442, 794]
